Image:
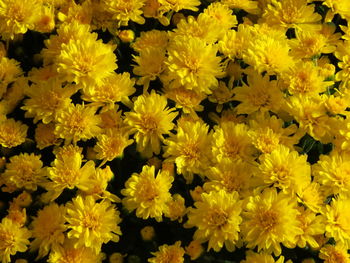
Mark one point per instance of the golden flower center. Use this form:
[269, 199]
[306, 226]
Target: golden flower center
[268, 220]
[217, 218]
[149, 192]
[85, 64]
[281, 173]
[16, 12]
[90, 221]
[191, 151]
[6, 240]
[232, 149]
[77, 122]
[72, 256]
[149, 123]
[192, 64]
[68, 176]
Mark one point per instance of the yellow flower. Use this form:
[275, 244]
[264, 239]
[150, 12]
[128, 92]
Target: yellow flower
[13, 239]
[86, 61]
[46, 100]
[334, 254]
[168, 254]
[312, 196]
[115, 88]
[45, 22]
[125, 10]
[337, 220]
[68, 253]
[194, 249]
[149, 120]
[269, 219]
[147, 193]
[332, 171]
[17, 16]
[67, 173]
[48, 229]
[231, 142]
[249, 6]
[312, 225]
[260, 94]
[232, 176]
[24, 171]
[12, 133]
[153, 39]
[217, 219]
[77, 122]
[194, 64]
[268, 53]
[285, 169]
[189, 148]
[292, 14]
[176, 208]
[10, 70]
[92, 224]
[45, 135]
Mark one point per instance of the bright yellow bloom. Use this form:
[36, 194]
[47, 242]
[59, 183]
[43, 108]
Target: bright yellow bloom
[46, 100]
[189, 148]
[149, 120]
[249, 6]
[231, 142]
[12, 133]
[269, 219]
[176, 208]
[312, 196]
[147, 193]
[312, 225]
[334, 254]
[168, 254]
[115, 88]
[285, 169]
[17, 16]
[154, 39]
[13, 239]
[92, 224]
[10, 70]
[67, 173]
[252, 257]
[68, 253]
[337, 220]
[194, 64]
[332, 171]
[77, 122]
[194, 249]
[48, 229]
[292, 14]
[24, 171]
[125, 10]
[217, 219]
[87, 61]
[260, 94]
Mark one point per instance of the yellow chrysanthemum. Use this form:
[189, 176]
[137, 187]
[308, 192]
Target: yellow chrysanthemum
[292, 14]
[334, 254]
[168, 254]
[177, 208]
[67, 173]
[249, 6]
[48, 229]
[269, 219]
[337, 220]
[12, 133]
[189, 148]
[46, 100]
[13, 239]
[68, 253]
[147, 193]
[217, 219]
[9, 71]
[149, 120]
[24, 171]
[115, 88]
[260, 94]
[194, 64]
[125, 10]
[151, 39]
[231, 177]
[285, 169]
[17, 16]
[77, 122]
[313, 197]
[92, 224]
[312, 225]
[231, 142]
[332, 172]
[86, 62]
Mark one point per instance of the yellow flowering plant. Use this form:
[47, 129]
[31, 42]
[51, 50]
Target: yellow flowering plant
[174, 131]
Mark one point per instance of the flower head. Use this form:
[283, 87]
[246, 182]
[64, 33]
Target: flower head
[147, 193]
[12, 133]
[168, 254]
[217, 219]
[92, 224]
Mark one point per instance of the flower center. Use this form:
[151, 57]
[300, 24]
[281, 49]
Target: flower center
[217, 218]
[90, 221]
[268, 220]
[148, 123]
[6, 240]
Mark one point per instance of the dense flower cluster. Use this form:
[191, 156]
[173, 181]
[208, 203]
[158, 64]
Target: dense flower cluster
[217, 129]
